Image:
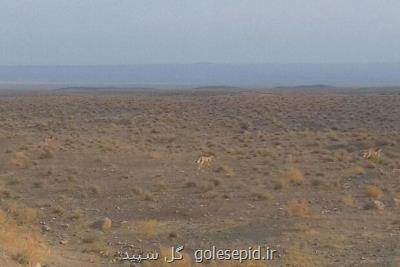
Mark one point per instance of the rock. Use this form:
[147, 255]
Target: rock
[103, 224]
[396, 202]
[378, 205]
[63, 242]
[374, 204]
[46, 228]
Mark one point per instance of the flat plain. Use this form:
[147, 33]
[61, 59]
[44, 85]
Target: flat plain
[313, 173]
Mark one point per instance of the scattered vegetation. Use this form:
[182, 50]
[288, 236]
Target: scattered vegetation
[374, 191]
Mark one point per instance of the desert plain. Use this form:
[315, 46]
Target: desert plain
[86, 175]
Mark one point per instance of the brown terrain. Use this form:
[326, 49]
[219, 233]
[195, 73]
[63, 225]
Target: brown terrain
[86, 176]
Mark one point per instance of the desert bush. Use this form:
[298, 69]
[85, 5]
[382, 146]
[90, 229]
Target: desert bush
[226, 171]
[27, 215]
[21, 243]
[358, 170]
[145, 195]
[147, 228]
[301, 256]
[294, 176]
[21, 160]
[374, 191]
[261, 196]
[348, 201]
[299, 208]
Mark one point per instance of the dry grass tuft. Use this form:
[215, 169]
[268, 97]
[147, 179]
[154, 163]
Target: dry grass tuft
[374, 191]
[147, 228]
[299, 208]
[348, 201]
[261, 196]
[294, 176]
[20, 242]
[27, 215]
[226, 171]
[145, 195]
[301, 256]
[358, 170]
[21, 215]
[153, 155]
[21, 160]
[95, 243]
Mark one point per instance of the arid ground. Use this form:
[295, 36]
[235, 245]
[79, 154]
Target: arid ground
[291, 170]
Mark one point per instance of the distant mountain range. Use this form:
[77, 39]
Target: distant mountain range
[204, 74]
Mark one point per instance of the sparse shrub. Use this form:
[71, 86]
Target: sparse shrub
[173, 235]
[58, 210]
[317, 182]
[333, 136]
[3, 217]
[27, 215]
[92, 238]
[301, 256]
[299, 208]
[75, 215]
[94, 189]
[261, 196]
[153, 155]
[215, 181]
[19, 242]
[47, 154]
[369, 165]
[12, 180]
[148, 228]
[226, 171]
[205, 186]
[145, 195]
[137, 190]
[148, 196]
[348, 201]
[279, 185]
[99, 247]
[38, 184]
[21, 160]
[374, 191]
[294, 175]
[190, 184]
[358, 170]
[22, 257]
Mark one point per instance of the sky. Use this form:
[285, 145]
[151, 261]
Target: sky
[90, 32]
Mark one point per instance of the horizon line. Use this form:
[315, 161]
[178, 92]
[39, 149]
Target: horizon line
[198, 63]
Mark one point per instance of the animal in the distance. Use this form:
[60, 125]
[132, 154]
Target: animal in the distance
[204, 161]
[372, 154]
[48, 144]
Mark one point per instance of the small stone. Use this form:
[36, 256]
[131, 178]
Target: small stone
[396, 202]
[46, 228]
[103, 224]
[63, 242]
[64, 225]
[379, 205]
[374, 204]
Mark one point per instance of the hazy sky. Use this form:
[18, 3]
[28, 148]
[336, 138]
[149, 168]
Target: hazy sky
[190, 31]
